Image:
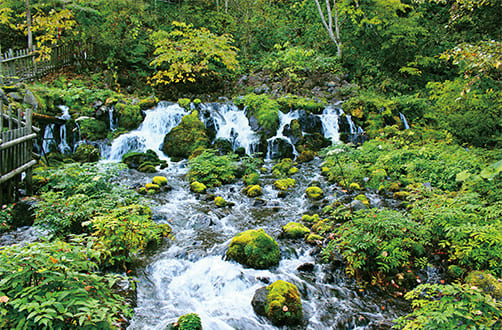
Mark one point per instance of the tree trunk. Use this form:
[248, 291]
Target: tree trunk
[333, 31]
[28, 22]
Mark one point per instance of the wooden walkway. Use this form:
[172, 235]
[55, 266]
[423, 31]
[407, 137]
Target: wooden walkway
[16, 152]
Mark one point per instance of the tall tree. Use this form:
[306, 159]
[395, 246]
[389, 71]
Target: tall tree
[333, 30]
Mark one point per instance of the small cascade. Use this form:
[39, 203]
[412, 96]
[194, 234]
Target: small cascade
[353, 128]
[63, 145]
[48, 138]
[111, 119]
[280, 141]
[230, 124]
[150, 134]
[404, 121]
[330, 126]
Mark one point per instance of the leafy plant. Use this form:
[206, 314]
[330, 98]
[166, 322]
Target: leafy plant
[212, 170]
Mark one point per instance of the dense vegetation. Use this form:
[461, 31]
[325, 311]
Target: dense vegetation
[436, 61]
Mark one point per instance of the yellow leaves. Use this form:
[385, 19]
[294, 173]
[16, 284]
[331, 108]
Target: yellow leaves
[4, 299]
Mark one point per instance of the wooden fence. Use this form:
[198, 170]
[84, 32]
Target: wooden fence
[22, 64]
[16, 152]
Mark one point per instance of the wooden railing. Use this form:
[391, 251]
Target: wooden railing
[16, 152]
[22, 64]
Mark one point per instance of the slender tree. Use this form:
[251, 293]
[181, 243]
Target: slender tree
[327, 22]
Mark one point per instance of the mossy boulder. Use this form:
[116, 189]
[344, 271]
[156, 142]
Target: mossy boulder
[363, 199]
[294, 230]
[282, 168]
[486, 282]
[159, 180]
[254, 248]
[305, 156]
[135, 159]
[148, 103]
[185, 138]
[314, 193]
[198, 187]
[284, 184]
[251, 178]
[354, 186]
[86, 153]
[253, 191]
[220, 201]
[293, 170]
[190, 321]
[92, 129]
[311, 218]
[401, 195]
[314, 239]
[280, 302]
[129, 116]
[153, 186]
[147, 167]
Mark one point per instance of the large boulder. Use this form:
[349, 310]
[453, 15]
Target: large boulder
[189, 135]
[254, 248]
[279, 302]
[136, 160]
[86, 153]
[280, 148]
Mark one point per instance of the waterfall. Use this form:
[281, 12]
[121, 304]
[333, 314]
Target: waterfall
[63, 145]
[231, 124]
[329, 119]
[48, 138]
[353, 128]
[111, 119]
[404, 121]
[150, 134]
[275, 141]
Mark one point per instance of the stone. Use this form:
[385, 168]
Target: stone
[159, 180]
[314, 193]
[294, 230]
[306, 267]
[198, 187]
[220, 202]
[254, 248]
[30, 99]
[253, 191]
[86, 153]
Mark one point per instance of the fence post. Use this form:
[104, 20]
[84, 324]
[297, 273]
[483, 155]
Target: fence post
[29, 152]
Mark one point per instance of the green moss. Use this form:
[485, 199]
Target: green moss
[293, 170]
[198, 187]
[135, 159]
[284, 306]
[147, 167]
[184, 103]
[305, 156]
[189, 322]
[284, 184]
[310, 218]
[92, 129]
[220, 201]
[292, 102]
[314, 193]
[129, 116]
[151, 192]
[486, 282]
[401, 195]
[264, 109]
[363, 198]
[254, 248]
[354, 186]
[142, 191]
[185, 138]
[148, 103]
[314, 238]
[86, 153]
[282, 168]
[253, 191]
[295, 230]
[159, 180]
[251, 178]
[153, 186]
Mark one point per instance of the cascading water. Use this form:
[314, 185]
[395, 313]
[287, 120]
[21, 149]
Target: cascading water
[275, 141]
[150, 134]
[48, 139]
[404, 121]
[63, 145]
[231, 124]
[111, 119]
[330, 126]
[190, 274]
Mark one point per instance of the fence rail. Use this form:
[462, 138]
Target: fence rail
[22, 64]
[16, 152]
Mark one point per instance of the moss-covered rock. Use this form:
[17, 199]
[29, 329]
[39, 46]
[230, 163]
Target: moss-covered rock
[311, 218]
[363, 199]
[354, 186]
[294, 230]
[314, 193]
[147, 167]
[254, 248]
[284, 184]
[135, 159]
[92, 129]
[185, 138]
[86, 153]
[190, 321]
[282, 168]
[159, 180]
[401, 195]
[253, 191]
[305, 156]
[153, 186]
[280, 302]
[220, 201]
[314, 239]
[148, 103]
[486, 282]
[184, 103]
[129, 116]
[198, 187]
[293, 170]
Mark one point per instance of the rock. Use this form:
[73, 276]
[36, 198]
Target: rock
[357, 205]
[280, 148]
[23, 213]
[254, 248]
[314, 193]
[401, 195]
[284, 184]
[3, 97]
[259, 202]
[185, 138]
[310, 123]
[220, 201]
[306, 267]
[134, 160]
[147, 167]
[86, 153]
[293, 131]
[486, 282]
[354, 186]
[331, 84]
[262, 89]
[159, 180]
[30, 99]
[294, 230]
[253, 191]
[305, 156]
[279, 302]
[198, 187]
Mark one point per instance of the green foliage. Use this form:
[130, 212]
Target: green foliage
[191, 54]
[378, 242]
[284, 184]
[284, 305]
[295, 230]
[92, 129]
[251, 178]
[54, 285]
[126, 231]
[185, 138]
[282, 168]
[212, 170]
[294, 102]
[264, 109]
[254, 248]
[450, 306]
[189, 322]
[129, 116]
[6, 218]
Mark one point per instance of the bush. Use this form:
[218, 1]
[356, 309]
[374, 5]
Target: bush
[264, 109]
[212, 170]
[53, 285]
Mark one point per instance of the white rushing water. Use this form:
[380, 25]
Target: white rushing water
[404, 121]
[330, 126]
[285, 119]
[150, 134]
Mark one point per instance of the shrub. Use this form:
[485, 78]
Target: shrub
[212, 170]
[264, 109]
[189, 322]
[53, 285]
